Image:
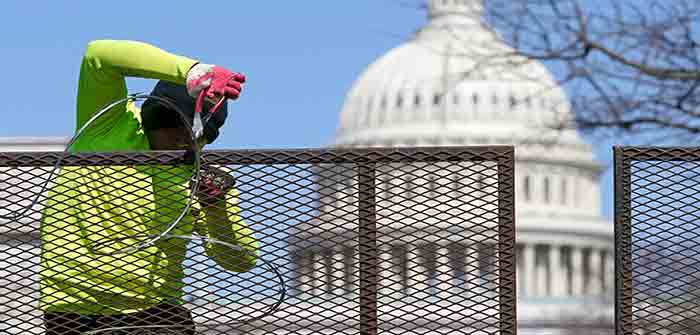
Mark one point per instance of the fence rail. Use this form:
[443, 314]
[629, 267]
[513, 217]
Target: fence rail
[405, 241]
[657, 192]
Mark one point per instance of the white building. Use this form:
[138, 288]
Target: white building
[448, 86]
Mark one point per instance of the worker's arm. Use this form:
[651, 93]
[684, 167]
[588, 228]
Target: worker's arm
[224, 223]
[107, 63]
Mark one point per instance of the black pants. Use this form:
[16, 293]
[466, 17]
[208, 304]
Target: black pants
[75, 324]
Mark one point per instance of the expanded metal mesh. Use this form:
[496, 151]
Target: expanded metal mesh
[404, 241]
[657, 240]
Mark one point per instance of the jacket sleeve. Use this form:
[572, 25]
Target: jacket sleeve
[107, 63]
[228, 226]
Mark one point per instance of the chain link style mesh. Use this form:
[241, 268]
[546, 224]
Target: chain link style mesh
[337, 241]
[657, 245]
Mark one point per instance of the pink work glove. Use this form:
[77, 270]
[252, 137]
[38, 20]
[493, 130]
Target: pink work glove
[214, 183]
[216, 81]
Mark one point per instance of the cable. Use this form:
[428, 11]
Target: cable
[97, 115]
[196, 151]
[282, 291]
[196, 131]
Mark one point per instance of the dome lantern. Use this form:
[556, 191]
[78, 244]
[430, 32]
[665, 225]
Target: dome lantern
[470, 8]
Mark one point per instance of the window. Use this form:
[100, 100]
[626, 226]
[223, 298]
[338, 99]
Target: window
[455, 99]
[547, 195]
[456, 186]
[351, 187]
[383, 105]
[512, 101]
[387, 186]
[563, 192]
[480, 185]
[526, 188]
[432, 187]
[436, 99]
[417, 100]
[408, 187]
[399, 101]
[475, 99]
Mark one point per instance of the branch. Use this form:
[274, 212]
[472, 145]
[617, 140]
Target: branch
[627, 124]
[674, 74]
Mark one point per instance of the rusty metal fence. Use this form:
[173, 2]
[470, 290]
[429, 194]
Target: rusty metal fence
[337, 241]
[657, 234]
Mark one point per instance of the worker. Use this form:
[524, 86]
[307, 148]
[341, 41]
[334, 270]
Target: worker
[93, 212]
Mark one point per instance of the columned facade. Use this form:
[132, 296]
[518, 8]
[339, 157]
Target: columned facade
[434, 90]
[543, 271]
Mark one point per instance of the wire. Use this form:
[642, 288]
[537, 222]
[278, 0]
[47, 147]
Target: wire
[196, 131]
[282, 291]
[196, 151]
[133, 97]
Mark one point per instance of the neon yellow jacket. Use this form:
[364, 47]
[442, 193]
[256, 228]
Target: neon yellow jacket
[89, 206]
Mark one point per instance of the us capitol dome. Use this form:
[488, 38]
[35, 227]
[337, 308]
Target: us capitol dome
[452, 85]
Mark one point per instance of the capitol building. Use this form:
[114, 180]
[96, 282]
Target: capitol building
[446, 86]
[450, 85]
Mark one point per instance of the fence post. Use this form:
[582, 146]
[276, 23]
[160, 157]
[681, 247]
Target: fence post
[623, 243]
[367, 248]
[506, 244]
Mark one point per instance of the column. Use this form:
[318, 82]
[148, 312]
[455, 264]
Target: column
[557, 277]
[576, 272]
[305, 276]
[338, 272]
[385, 268]
[609, 275]
[530, 277]
[355, 286]
[471, 268]
[445, 275]
[595, 284]
[576, 191]
[519, 272]
[397, 282]
[417, 274]
[541, 275]
[318, 274]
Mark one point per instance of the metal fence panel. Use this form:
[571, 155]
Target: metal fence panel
[657, 192]
[368, 241]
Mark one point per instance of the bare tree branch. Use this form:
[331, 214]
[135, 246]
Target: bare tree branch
[633, 66]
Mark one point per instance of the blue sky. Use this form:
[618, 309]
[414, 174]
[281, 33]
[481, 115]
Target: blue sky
[300, 58]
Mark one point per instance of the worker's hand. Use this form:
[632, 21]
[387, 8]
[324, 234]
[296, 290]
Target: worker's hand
[216, 81]
[214, 183]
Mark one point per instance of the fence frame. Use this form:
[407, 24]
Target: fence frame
[365, 158]
[623, 158]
